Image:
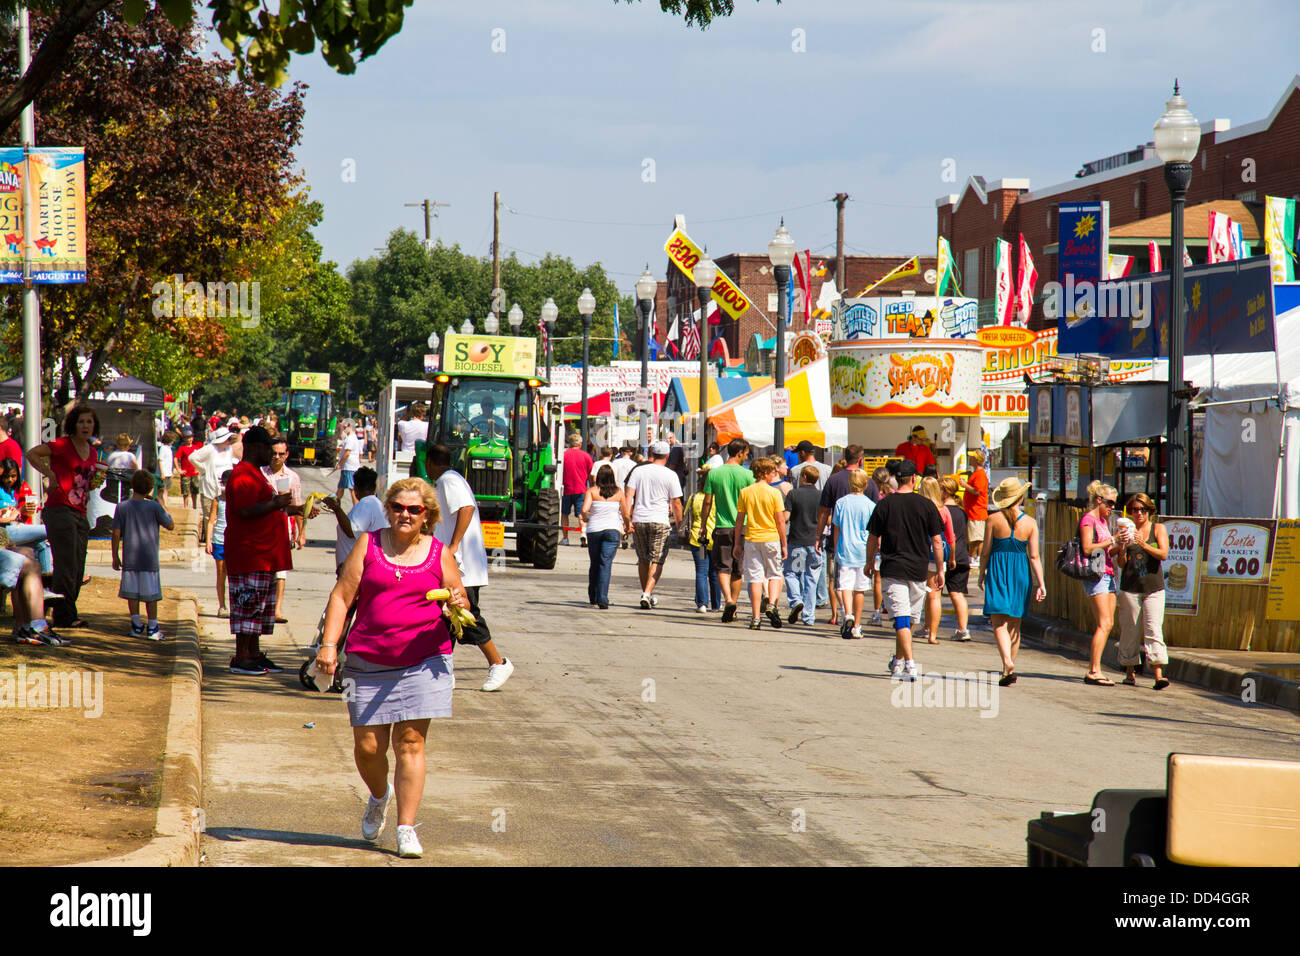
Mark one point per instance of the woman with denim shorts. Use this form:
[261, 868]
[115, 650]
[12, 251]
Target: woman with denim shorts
[1095, 535]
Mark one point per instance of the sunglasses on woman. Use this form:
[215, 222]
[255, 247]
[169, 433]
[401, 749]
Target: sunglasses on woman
[414, 510]
[1108, 502]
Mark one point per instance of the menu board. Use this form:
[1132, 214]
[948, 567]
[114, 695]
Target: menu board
[1182, 569]
[1238, 552]
[1284, 584]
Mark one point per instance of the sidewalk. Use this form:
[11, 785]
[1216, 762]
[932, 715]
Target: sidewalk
[1253, 676]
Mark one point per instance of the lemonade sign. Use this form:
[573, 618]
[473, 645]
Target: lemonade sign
[490, 355]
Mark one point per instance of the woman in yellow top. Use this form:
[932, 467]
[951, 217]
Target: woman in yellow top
[708, 592]
[760, 530]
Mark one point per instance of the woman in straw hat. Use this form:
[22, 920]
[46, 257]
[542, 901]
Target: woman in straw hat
[1010, 551]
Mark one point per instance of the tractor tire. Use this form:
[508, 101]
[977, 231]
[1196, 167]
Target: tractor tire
[546, 543]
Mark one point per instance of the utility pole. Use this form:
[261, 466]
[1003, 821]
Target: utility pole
[840, 280]
[32, 410]
[496, 256]
[430, 214]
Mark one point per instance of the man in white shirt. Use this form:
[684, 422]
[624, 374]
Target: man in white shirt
[212, 460]
[413, 429]
[367, 515]
[716, 457]
[459, 529]
[653, 499]
[276, 474]
[350, 446]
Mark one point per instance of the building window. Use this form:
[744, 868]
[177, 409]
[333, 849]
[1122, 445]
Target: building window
[970, 273]
[1247, 196]
[771, 302]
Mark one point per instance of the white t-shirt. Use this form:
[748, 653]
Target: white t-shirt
[621, 468]
[655, 487]
[596, 466]
[165, 460]
[409, 433]
[453, 494]
[350, 453]
[715, 461]
[213, 461]
[366, 515]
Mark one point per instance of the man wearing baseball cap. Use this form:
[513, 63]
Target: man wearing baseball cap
[257, 546]
[916, 450]
[213, 460]
[653, 498]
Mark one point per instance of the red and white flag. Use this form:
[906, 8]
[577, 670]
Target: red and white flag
[1120, 266]
[541, 327]
[1222, 248]
[1153, 255]
[1003, 297]
[803, 273]
[691, 340]
[1025, 283]
[1187, 256]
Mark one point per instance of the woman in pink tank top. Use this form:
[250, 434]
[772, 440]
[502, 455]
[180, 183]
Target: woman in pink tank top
[399, 651]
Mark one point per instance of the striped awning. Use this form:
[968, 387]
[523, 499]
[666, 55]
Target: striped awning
[686, 391]
[810, 416]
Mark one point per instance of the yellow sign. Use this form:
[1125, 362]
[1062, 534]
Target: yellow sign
[55, 240]
[911, 267]
[504, 355]
[686, 255]
[494, 535]
[1284, 585]
[316, 380]
[1004, 336]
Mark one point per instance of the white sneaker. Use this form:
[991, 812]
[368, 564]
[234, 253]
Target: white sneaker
[896, 668]
[645, 601]
[498, 674]
[875, 619]
[372, 824]
[856, 632]
[909, 670]
[408, 844]
[654, 601]
[702, 609]
[962, 636]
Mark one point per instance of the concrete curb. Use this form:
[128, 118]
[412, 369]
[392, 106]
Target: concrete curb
[1185, 665]
[179, 822]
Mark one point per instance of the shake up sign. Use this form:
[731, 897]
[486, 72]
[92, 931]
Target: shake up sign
[896, 378]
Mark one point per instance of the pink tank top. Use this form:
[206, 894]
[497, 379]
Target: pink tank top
[395, 626]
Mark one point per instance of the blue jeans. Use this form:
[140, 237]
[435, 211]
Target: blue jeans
[708, 592]
[33, 536]
[601, 546]
[803, 567]
[823, 588]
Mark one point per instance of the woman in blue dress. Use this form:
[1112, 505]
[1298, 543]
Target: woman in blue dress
[1010, 551]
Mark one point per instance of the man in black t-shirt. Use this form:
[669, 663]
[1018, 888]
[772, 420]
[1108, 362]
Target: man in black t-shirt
[907, 530]
[803, 565]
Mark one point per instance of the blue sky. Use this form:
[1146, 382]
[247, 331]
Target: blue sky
[740, 126]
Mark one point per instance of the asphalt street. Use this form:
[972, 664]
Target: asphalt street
[631, 737]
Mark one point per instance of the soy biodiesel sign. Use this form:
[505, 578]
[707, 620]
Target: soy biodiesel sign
[502, 355]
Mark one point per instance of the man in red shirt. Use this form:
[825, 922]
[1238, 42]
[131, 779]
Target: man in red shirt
[917, 451]
[188, 471]
[577, 469]
[257, 546]
[975, 502]
[8, 447]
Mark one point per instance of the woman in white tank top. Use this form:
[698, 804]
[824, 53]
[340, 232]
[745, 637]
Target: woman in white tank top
[602, 510]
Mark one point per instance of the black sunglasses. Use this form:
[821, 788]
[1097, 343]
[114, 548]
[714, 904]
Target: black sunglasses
[1108, 501]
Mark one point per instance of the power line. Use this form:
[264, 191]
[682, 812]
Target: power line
[660, 223]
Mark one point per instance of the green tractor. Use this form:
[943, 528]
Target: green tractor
[490, 415]
[308, 419]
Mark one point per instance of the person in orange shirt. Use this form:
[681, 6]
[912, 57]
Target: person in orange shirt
[917, 451]
[975, 502]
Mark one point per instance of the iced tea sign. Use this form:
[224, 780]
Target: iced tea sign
[1238, 552]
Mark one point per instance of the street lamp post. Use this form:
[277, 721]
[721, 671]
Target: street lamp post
[467, 327]
[549, 311]
[586, 306]
[645, 296]
[516, 317]
[491, 324]
[780, 250]
[1177, 134]
[704, 274]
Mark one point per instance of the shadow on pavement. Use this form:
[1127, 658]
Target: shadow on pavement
[292, 838]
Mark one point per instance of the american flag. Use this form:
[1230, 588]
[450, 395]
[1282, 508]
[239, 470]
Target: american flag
[541, 327]
[691, 340]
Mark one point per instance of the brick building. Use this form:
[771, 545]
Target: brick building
[1234, 169]
[676, 298]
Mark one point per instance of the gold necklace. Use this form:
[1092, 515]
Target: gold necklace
[397, 571]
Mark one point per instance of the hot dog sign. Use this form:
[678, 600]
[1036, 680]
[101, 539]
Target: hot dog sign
[890, 378]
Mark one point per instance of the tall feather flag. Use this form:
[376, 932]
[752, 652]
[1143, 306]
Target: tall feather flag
[616, 328]
[1004, 300]
[1222, 248]
[1279, 237]
[1187, 256]
[803, 274]
[541, 327]
[1025, 283]
[1119, 267]
[1153, 256]
[945, 269]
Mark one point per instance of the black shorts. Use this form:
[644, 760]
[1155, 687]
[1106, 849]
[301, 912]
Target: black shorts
[957, 579]
[476, 633]
[724, 561]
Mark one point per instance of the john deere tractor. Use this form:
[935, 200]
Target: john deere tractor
[485, 405]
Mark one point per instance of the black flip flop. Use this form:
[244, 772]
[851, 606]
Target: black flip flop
[1007, 679]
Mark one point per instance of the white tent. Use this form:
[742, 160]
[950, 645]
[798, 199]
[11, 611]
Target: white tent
[1250, 466]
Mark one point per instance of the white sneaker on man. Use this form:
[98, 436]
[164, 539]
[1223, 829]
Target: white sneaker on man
[408, 844]
[875, 619]
[498, 674]
[702, 609]
[372, 824]
[896, 668]
[909, 670]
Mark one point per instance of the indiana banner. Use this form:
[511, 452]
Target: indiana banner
[1025, 283]
[1222, 246]
[945, 269]
[1004, 301]
[1279, 237]
[1153, 256]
